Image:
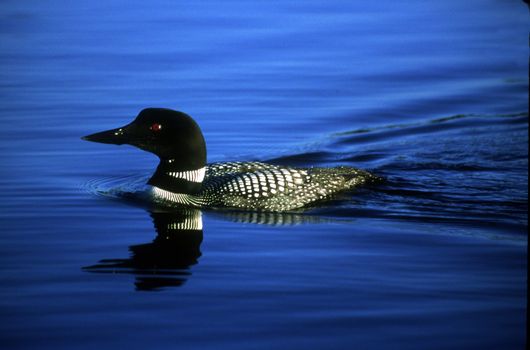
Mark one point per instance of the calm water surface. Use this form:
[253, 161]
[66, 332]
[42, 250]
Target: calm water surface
[430, 95]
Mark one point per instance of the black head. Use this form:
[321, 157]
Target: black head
[167, 133]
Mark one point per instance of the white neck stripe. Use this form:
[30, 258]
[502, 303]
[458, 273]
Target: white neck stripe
[190, 175]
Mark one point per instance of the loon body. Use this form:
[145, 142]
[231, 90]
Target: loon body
[184, 178]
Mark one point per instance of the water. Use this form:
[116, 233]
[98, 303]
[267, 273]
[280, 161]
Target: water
[430, 95]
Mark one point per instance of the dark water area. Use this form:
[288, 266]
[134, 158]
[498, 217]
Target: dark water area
[432, 96]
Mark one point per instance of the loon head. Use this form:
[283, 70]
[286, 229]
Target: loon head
[168, 134]
[174, 137]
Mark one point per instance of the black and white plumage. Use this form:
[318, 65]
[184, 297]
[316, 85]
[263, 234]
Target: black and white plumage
[183, 178]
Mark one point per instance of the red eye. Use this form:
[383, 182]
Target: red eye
[156, 127]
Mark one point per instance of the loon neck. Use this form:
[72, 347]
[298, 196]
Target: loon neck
[173, 176]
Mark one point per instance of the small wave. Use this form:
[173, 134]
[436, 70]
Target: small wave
[393, 132]
[521, 117]
[131, 187]
[429, 165]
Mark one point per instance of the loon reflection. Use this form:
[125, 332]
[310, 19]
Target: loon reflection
[166, 261]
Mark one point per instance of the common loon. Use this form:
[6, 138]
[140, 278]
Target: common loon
[184, 178]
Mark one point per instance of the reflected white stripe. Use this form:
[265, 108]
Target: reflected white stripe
[191, 222]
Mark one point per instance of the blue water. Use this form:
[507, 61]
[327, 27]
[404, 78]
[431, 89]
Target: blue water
[432, 96]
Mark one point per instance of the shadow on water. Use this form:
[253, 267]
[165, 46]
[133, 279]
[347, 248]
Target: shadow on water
[166, 261]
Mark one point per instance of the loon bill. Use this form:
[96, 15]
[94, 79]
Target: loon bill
[184, 178]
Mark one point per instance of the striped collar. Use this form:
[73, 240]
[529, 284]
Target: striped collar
[189, 175]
